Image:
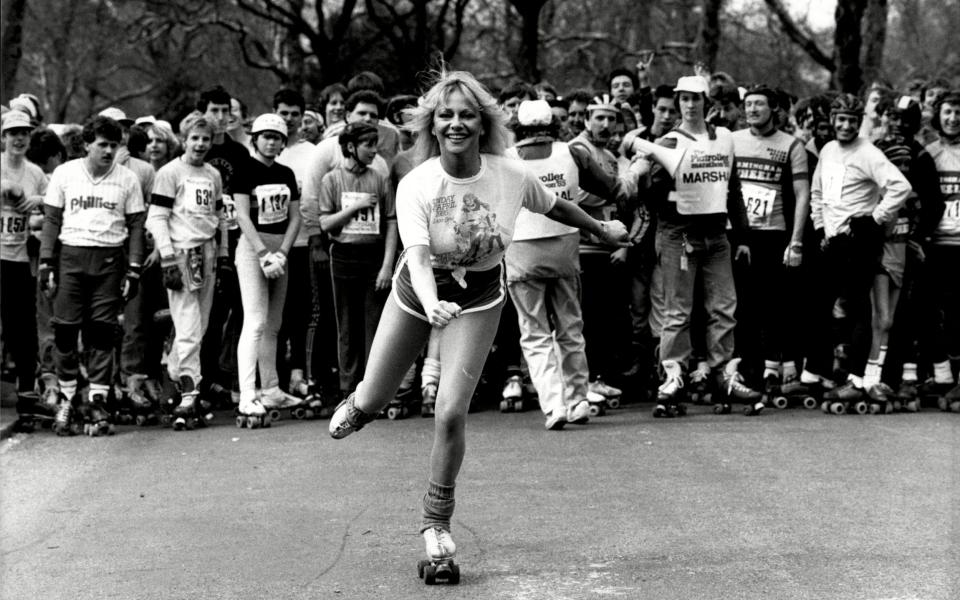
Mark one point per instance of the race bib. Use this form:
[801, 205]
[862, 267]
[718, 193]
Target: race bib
[901, 227]
[758, 201]
[230, 212]
[13, 227]
[366, 221]
[950, 222]
[272, 200]
[831, 182]
[198, 196]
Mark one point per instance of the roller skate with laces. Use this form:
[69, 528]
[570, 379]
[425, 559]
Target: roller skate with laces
[274, 400]
[252, 414]
[97, 418]
[670, 393]
[439, 566]
[732, 389]
[698, 390]
[611, 395]
[848, 398]
[347, 418]
[880, 399]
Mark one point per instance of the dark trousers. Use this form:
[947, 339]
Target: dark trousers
[18, 318]
[358, 305]
[142, 338]
[849, 268]
[297, 314]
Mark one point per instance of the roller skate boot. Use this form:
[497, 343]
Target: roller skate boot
[794, 391]
[439, 566]
[950, 402]
[598, 404]
[846, 398]
[138, 398]
[699, 388]
[252, 414]
[771, 392]
[670, 392]
[169, 400]
[907, 396]
[732, 389]
[579, 413]
[67, 419]
[274, 400]
[96, 416]
[218, 396]
[348, 418]
[880, 397]
[556, 419]
[610, 394]
[429, 404]
[32, 411]
[512, 395]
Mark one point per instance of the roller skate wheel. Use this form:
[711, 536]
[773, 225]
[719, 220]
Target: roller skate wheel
[659, 412]
[753, 410]
[897, 405]
[299, 413]
[721, 409]
[942, 404]
[394, 413]
[681, 410]
[141, 420]
[954, 406]
[825, 406]
[613, 403]
[780, 402]
[505, 406]
[809, 402]
[430, 575]
[838, 408]
[274, 414]
[179, 424]
[860, 408]
[595, 410]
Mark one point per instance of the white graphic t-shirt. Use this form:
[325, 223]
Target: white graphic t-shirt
[467, 223]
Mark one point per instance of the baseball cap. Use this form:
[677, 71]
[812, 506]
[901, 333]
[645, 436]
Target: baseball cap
[534, 113]
[692, 83]
[147, 120]
[116, 114]
[16, 119]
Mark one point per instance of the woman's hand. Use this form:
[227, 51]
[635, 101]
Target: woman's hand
[615, 233]
[384, 278]
[441, 313]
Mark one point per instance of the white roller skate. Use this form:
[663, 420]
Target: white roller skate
[609, 393]
[670, 392]
[275, 400]
[439, 566]
[252, 414]
[579, 413]
[512, 395]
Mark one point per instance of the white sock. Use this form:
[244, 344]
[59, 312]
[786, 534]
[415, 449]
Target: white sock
[68, 388]
[856, 380]
[771, 368]
[909, 371]
[942, 372]
[808, 377]
[789, 370]
[871, 374]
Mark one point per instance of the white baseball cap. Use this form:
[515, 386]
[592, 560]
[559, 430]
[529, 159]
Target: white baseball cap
[147, 120]
[16, 119]
[116, 114]
[692, 83]
[534, 113]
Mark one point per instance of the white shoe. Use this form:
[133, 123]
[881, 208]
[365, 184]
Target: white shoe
[439, 544]
[556, 419]
[579, 413]
[604, 389]
[276, 398]
[347, 418]
[513, 388]
[251, 407]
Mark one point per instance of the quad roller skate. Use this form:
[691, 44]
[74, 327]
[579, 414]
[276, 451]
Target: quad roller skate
[611, 395]
[402, 404]
[305, 389]
[275, 401]
[97, 419]
[880, 399]
[439, 566]
[699, 385]
[140, 400]
[670, 392]
[67, 420]
[320, 405]
[847, 398]
[192, 411]
[252, 414]
[513, 400]
[429, 404]
[169, 400]
[794, 392]
[33, 411]
[732, 388]
[907, 398]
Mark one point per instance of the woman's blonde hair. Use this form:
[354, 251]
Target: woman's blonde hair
[493, 135]
[166, 134]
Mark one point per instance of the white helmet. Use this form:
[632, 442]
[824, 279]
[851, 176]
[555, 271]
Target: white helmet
[269, 122]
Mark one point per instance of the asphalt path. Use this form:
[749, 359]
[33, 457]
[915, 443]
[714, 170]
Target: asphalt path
[792, 504]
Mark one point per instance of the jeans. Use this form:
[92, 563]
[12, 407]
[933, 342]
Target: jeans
[142, 340]
[190, 312]
[684, 257]
[263, 301]
[551, 338]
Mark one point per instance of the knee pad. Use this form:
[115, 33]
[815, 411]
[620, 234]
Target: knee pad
[65, 337]
[98, 335]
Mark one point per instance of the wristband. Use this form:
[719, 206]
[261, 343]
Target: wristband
[796, 246]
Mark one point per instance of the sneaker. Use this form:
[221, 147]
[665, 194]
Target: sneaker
[439, 544]
[556, 419]
[513, 388]
[347, 418]
[276, 398]
[579, 413]
[608, 391]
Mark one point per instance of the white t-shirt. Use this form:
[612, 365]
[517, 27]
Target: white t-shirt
[188, 200]
[467, 223]
[94, 210]
[299, 157]
[15, 225]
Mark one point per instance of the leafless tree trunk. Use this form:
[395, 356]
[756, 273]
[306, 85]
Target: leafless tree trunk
[875, 38]
[710, 32]
[527, 65]
[12, 44]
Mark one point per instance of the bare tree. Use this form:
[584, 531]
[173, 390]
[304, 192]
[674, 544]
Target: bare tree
[12, 49]
[527, 57]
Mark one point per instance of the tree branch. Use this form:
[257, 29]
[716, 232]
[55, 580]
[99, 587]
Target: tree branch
[800, 38]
